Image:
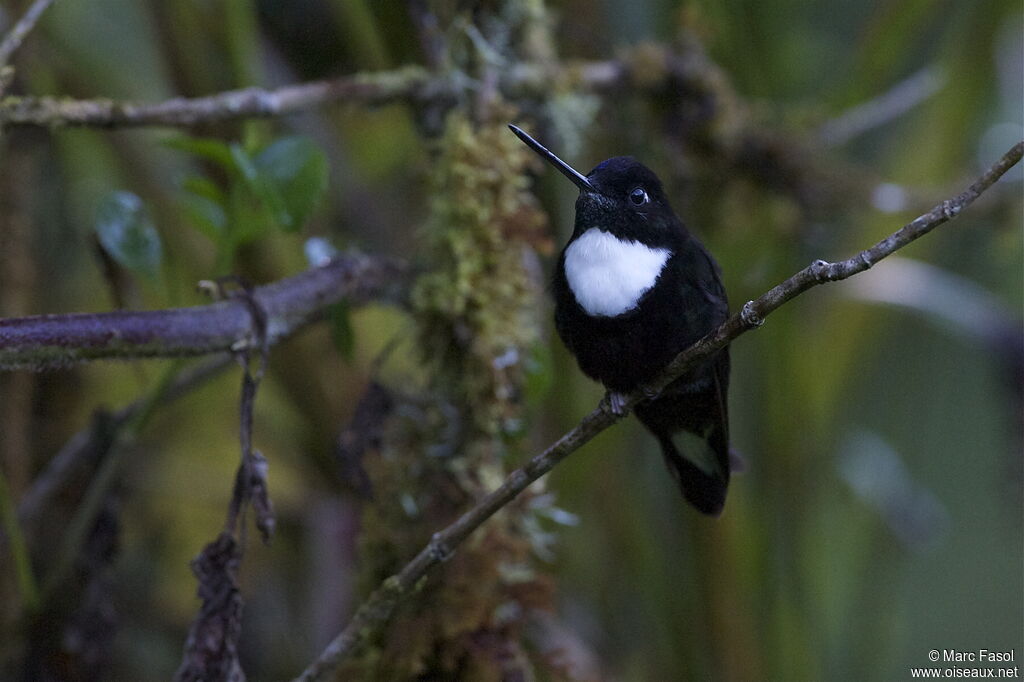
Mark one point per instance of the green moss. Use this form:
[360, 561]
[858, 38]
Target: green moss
[476, 310]
[478, 305]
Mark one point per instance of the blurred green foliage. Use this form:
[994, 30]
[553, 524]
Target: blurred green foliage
[880, 516]
[277, 186]
[127, 233]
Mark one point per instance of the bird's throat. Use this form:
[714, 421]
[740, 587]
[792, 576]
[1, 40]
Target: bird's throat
[608, 276]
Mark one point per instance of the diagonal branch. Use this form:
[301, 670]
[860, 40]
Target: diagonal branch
[883, 109]
[92, 442]
[12, 41]
[378, 608]
[47, 341]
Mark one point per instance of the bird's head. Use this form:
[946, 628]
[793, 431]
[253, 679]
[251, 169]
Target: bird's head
[620, 196]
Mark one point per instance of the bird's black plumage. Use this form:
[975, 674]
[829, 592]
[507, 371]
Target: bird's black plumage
[623, 349]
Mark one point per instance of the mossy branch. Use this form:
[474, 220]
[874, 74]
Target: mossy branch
[407, 84]
[647, 69]
[713, 119]
[379, 607]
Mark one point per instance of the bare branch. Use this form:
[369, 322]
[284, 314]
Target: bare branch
[12, 41]
[378, 608]
[47, 341]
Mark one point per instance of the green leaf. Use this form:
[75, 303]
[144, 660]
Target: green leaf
[204, 187]
[127, 233]
[297, 171]
[205, 148]
[248, 219]
[243, 163]
[207, 215]
[261, 192]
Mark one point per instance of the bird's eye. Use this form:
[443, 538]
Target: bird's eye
[638, 196]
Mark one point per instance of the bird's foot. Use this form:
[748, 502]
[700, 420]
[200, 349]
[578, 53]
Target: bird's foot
[615, 403]
[649, 393]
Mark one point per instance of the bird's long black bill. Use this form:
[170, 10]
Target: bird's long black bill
[568, 171]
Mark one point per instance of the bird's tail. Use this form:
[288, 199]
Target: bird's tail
[705, 485]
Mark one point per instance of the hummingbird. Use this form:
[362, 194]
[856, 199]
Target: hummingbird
[633, 288]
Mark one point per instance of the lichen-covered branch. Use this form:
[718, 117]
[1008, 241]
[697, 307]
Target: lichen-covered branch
[405, 84]
[648, 69]
[47, 341]
[708, 117]
[381, 604]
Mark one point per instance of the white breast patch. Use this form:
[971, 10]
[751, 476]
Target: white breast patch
[608, 275]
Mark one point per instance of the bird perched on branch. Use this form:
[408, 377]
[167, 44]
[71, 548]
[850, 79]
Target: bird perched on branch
[633, 288]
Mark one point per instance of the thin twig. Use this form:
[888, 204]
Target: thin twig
[250, 481]
[100, 486]
[93, 443]
[211, 648]
[48, 341]
[378, 608]
[12, 41]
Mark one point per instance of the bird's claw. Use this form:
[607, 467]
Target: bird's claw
[615, 403]
[649, 393]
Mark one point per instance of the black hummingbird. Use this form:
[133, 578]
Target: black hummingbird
[632, 289]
